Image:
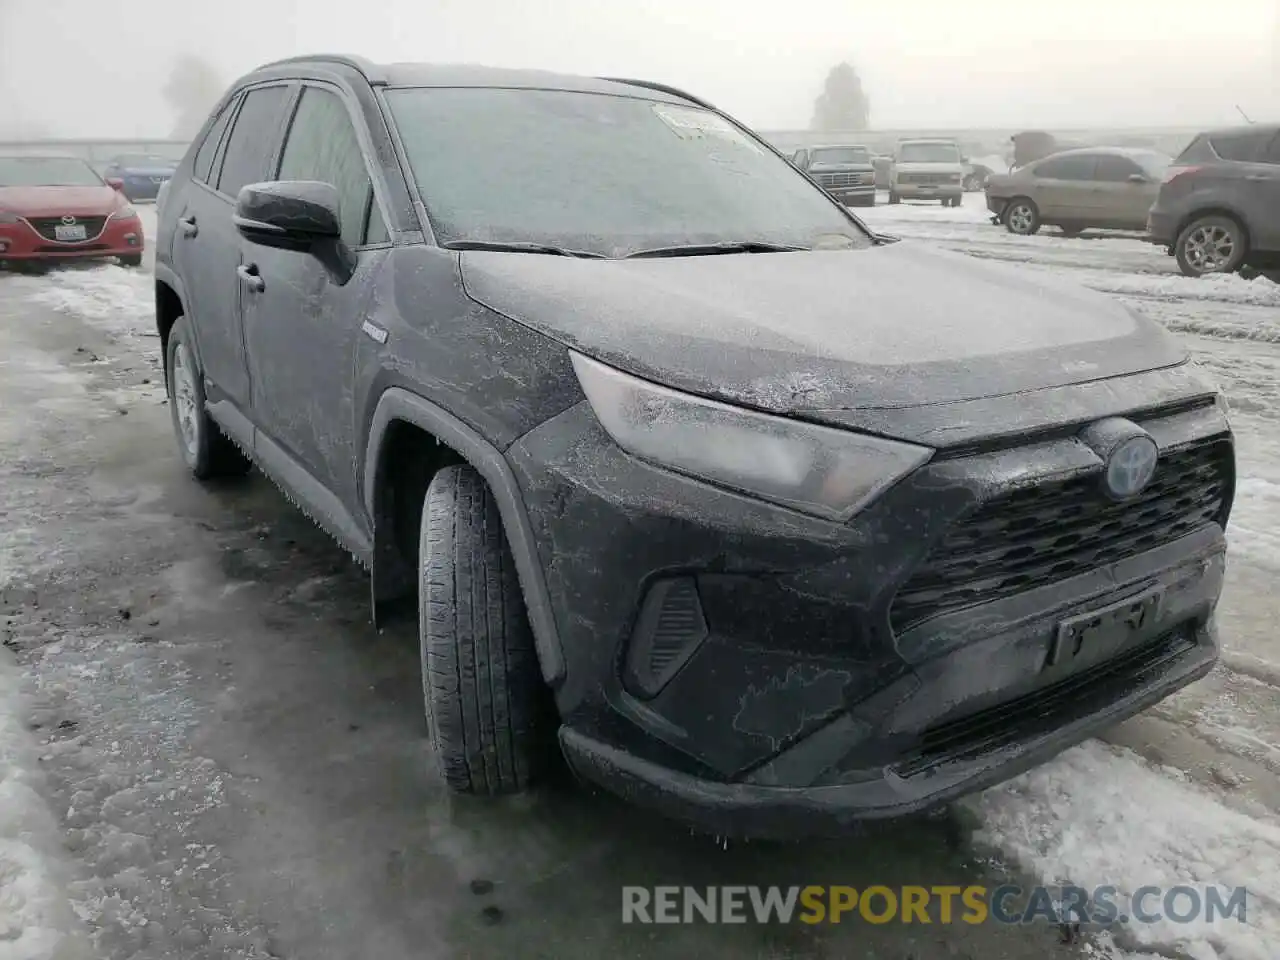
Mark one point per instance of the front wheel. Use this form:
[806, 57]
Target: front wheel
[1213, 244]
[1022, 217]
[131, 260]
[894, 198]
[480, 678]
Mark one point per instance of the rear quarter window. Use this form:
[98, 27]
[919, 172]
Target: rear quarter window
[209, 148]
[1197, 151]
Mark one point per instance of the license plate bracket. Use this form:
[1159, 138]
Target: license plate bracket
[1099, 633]
[69, 233]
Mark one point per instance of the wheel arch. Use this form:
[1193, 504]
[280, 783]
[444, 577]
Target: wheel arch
[399, 406]
[1216, 210]
[171, 303]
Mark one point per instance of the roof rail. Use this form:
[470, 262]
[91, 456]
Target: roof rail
[661, 88]
[365, 68]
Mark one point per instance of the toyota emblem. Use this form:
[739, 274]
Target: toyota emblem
[1131, 466]
[68, 219]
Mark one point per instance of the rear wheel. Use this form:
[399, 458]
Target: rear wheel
[131, 260]
[481, 683]
[1022, 217]
[205, 449]
[1214, 244]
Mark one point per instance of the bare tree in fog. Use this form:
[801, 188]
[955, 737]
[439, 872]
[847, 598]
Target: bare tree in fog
[843, 104]
[192, 89]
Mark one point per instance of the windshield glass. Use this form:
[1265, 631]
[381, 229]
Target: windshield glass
[143, 160]
[599, 173]
[928, 153]
[46, 172]
[841, 155]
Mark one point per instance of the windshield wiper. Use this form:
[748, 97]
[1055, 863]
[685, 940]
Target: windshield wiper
[520, 246]
[710, 249]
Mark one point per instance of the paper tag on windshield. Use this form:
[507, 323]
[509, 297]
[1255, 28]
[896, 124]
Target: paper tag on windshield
[690, 124]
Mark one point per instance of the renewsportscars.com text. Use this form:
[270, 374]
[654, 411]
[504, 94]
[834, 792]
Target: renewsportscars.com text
[1009, 904]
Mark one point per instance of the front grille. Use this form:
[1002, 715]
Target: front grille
[1048, 708]
[1046, 533]
[79, 248]
[45, 226]
[928, 179]
[846, 179]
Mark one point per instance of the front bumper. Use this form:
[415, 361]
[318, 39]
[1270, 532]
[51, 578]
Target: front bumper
[753, 670]
[117, 238]
[861, 196]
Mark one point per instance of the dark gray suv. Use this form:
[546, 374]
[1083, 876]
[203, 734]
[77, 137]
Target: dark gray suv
[686, 467]
[1219, 206]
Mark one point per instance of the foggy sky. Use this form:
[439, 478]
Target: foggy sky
[94, 69]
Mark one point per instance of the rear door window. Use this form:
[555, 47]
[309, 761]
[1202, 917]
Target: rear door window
[1076, 167]
[1246, 146]
[253, 139]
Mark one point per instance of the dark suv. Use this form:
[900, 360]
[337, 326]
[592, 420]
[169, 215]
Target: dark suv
[661, 435]
[1219, 206]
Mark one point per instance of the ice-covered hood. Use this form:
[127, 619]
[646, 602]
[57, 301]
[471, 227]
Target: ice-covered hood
[56, 201]
[896, 325]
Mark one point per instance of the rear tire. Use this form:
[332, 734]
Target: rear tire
[1022, 217]
[206, 450]
[132, 260]
[1213, 244]
[481, 682]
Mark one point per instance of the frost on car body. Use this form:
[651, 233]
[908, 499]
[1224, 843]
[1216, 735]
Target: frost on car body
[796, 525]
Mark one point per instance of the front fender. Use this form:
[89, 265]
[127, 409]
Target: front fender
[397, 403]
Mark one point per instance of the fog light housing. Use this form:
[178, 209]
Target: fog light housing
[131, 239]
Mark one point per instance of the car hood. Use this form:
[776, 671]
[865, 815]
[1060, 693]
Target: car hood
[50, 201]
[898, 325]
[146, 171]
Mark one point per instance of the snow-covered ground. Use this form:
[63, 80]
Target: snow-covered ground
[1187, 793]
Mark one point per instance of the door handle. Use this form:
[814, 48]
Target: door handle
[188, 226]
[249, 276]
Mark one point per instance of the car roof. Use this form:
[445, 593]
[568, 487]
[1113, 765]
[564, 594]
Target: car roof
[839, 146]
[478, 76]
[947, 140]
[1262, 128]
[1110, 151]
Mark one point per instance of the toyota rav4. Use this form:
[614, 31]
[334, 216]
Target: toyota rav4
[663, 437]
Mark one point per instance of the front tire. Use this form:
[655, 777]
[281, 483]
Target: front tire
[205, 449]
[1214, 244]
[131, 260]
[480, 678]
[894, 198]
[1022, 217]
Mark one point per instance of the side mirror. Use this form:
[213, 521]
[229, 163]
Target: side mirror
[116, 184]
[288, 214]
[1138, 178]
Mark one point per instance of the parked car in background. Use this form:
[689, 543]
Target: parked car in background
[59, 208]
[927, 169]
[1111, 187]
[1219, 207]
[845, 172]
[884, 170]
[142, 174]
[979, 170]
[795, 526]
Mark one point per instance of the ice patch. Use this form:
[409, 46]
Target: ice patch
[36, 919]
[1100, 815]
[114, 298]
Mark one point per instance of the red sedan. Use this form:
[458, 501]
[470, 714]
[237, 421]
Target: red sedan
[58, 208]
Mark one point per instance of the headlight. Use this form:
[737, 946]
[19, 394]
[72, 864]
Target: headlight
[8, 216]
[124, 213]
[818, 470]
